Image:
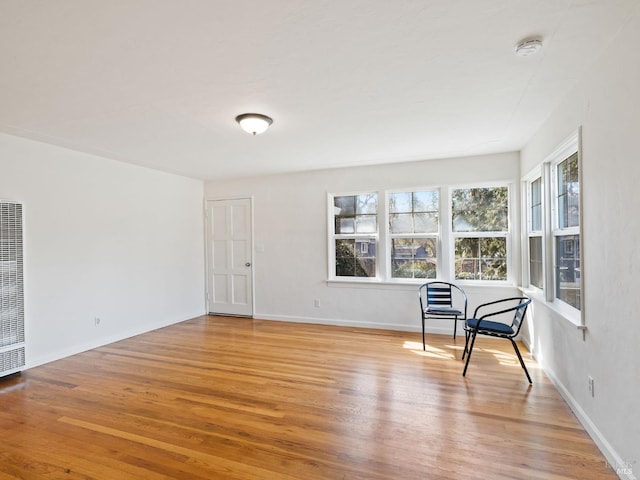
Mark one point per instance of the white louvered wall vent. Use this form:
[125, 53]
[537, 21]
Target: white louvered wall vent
[12, 346]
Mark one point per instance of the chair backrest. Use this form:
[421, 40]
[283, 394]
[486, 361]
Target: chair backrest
[440, 294]
[519, 314]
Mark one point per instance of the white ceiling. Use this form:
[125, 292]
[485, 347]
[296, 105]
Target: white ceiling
[351, 82]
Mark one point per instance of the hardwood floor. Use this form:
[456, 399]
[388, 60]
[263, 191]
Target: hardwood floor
[232, 398]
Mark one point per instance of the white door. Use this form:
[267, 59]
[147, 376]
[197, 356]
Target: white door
[229, 257]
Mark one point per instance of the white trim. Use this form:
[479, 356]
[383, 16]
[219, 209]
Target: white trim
[563, 310]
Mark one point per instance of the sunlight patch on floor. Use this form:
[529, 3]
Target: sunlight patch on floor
[433, 352]
[509, 359]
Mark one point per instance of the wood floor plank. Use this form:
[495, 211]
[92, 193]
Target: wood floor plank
[232, 398]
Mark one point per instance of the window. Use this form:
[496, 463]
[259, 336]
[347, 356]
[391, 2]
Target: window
[355, 235]
[536, 270]
[566, 231]
[410, 249]
[480, 224]
[553, 230]
[413, 231]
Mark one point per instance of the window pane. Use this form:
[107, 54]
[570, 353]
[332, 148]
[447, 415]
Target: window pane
[426, 201]
[356, 257]
[425, 223]
[366, 224]
[536, 218]
[536, 192]
[400, 202]
[568, 193]
[413, 212]
[536, 205]
[481, 258]
[480, 209]
[535, 262]
[413, 258]
[367, 204]
[568, 269]
[345, 205]
[345, 225]
[355, 214]
[401, 223]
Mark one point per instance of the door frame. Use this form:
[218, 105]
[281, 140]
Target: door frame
[207, 251]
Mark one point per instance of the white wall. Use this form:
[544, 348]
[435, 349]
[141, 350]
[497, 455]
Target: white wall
[291, 224]
[607, 104]
[102, 238]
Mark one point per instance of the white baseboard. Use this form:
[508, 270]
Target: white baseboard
[353, 323]
[34, 361]
[614, 461]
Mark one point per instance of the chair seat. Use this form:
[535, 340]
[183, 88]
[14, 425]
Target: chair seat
[443, 311]
[489, 326]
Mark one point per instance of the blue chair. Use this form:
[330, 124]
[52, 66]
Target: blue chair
[442, 300]
[480, 325]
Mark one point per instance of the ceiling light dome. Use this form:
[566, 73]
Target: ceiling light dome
[254, 123]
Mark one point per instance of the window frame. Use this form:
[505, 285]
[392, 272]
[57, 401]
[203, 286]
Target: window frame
[444, 238]
[529, 232]
[333, 236]
[568, 149]
[547, 171]
[506, 234]
[389, 237]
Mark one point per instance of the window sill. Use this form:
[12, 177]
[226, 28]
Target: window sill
[566, 312]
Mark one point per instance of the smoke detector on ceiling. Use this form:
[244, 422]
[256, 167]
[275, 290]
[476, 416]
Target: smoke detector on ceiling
[528, 47]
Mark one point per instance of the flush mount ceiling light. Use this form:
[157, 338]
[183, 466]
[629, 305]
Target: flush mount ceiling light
[254, 123]
[528, 47]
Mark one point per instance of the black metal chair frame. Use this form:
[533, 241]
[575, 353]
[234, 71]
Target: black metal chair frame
[437, 302]
[519, 309]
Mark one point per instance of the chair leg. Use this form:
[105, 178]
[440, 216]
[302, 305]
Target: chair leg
[455, 326]
[515, 347]
[466, 342]
[424, 347]
[473, 340]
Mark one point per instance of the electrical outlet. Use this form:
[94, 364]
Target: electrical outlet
[591, 386]
[316, 303]
[96, 321]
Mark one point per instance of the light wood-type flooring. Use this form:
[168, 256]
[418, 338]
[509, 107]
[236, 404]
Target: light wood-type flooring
[234, 398]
